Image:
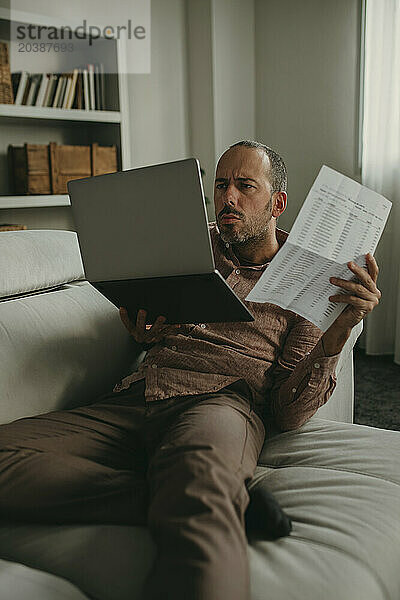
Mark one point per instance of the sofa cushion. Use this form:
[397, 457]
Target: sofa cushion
[18, 582]
[59, 349]
[38, 259]
[339, 483]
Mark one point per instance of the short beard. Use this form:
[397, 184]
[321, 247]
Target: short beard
[251, 234]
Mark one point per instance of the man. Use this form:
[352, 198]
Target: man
[176, 442]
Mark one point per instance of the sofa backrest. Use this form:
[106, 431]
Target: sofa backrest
[62, 343]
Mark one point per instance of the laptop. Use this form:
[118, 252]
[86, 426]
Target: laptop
[145, 243]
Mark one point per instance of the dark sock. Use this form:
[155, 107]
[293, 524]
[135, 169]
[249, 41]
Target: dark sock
[264, 517]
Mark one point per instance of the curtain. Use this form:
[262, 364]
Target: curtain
[381, 164]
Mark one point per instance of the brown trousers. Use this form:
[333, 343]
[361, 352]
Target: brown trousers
[179, 465]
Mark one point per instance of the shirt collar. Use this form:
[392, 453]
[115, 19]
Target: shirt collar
[281, 237]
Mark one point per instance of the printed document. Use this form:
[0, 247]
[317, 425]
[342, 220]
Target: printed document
[339, 221]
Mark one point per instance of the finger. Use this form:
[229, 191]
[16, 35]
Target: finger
[363, 275]
[355, 301]
[166, 330]
[162, 332]
[357, 288]
[123, 313]
[372, 266]
[155, 328]
[141, 320]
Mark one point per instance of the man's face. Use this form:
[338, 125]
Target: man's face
[242, 194]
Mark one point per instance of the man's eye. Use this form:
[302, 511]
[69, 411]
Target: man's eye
[247, 185]
[219, 186]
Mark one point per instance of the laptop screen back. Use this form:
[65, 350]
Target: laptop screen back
[146, 222]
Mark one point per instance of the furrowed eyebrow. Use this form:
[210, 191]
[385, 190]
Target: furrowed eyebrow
[238, 179]
[246, 179]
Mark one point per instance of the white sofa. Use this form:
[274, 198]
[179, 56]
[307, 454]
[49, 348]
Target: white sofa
[62, 344]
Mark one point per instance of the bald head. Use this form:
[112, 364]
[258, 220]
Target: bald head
[277, 172]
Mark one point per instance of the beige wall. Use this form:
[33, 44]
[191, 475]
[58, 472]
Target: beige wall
[221, 71]
[307, 73]
[233, 72]
[200, 87]
[158, 101]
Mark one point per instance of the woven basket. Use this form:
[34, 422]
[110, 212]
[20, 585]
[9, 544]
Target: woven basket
[6, 94]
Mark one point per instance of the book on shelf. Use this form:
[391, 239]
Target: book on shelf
[72, 90]
[58, 91]
[26, 90]
[42, 90]
[48, 101]
[67, 88]
[22, 87]
[86, 101]
[97, 86]
[91, 87]
[43, 101]
[29, 92]
[102, 94]
[15, 79]
[83, 88]
[34, 84]
[63, 89]
[78, 100]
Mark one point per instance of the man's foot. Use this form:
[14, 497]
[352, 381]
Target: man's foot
[264, 517]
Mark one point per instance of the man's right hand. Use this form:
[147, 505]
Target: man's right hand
[146, 335]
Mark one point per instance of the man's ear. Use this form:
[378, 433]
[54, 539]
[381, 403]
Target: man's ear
[279, 203]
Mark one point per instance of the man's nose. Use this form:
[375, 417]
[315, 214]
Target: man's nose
[231, 195]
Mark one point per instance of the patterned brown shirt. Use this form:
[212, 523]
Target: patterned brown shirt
[279, 354]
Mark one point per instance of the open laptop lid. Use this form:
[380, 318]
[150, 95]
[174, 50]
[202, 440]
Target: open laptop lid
[145, 222]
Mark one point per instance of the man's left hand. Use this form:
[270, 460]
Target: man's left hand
[362, 298]
[363, 295]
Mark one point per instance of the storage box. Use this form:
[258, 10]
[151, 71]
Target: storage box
[12, 227]
[104, 159]
[29, 167]
[46, 169]
[67, 163]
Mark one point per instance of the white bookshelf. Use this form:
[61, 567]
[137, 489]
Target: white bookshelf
[41, 125]
[60, 114]
[41, 201]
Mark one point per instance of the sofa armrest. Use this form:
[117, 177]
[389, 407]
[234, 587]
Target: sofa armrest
[347, 351]
[340, 406]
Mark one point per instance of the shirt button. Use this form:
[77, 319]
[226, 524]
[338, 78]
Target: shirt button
[226, 245]
[237, 271]
[294, 390]
[203, 326]
[173, 347]
[317, 365]
[154, 366]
